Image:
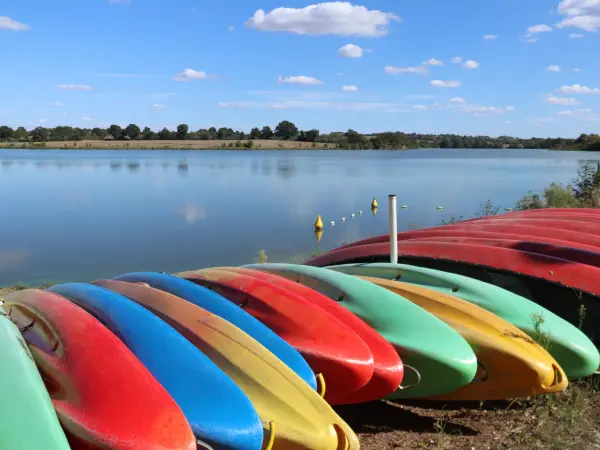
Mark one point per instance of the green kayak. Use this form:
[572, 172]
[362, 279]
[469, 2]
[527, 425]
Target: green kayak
[440, 359]
[27, 417]
[573, 350]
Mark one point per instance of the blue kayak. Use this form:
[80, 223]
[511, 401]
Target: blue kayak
[218, 411]
[220, 306]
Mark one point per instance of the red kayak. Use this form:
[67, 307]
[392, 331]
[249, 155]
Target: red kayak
[591, 211]
[569, 225]
[568, 273]
[328, 345]
[574, 217]
[103, 395]
[539, 235]
[591, 258]
[388, 370]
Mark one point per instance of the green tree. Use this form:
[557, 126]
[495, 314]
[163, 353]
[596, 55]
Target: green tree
[148, 134]
[255, 133]
[115, 131]
[6, 133]
[132, 131]
[39, 134]
[164, 134]
[225, 133]
[559, 196]
[212, 134]
[21, 134]
[286, 130]
[61, 133]
[182, 131]
[99, 133]
[266, 133]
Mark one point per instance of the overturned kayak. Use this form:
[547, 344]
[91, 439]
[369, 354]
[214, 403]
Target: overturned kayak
[295, 416]
[542, 222]
[571, 348]
[25, 404]
[437, 359]
[222, 307]
[219, 413]
[330, 347]
[511, 364]
[81, 361]
[387, 367]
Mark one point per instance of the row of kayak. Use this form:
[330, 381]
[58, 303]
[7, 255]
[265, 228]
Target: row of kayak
[254, 357]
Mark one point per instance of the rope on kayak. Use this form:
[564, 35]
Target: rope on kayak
[321, 386]
[202, 444]
[406, 366]
[271, 441]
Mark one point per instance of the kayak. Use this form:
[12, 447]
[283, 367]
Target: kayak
[511, 364]
[573, 351]
[550, 222]
[388, 370]
[330, 347]
[543, 214]
[81, 362]
[550, 211]
[222, 307]
[301, 418]
[438, 359]
[555, 270]
[25, 404]
[218, 412]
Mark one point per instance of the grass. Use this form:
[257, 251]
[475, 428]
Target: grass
[170, 145]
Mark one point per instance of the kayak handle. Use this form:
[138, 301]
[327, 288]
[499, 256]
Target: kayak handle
[406, 366]
[486, 375]
[22, 329]
[269, 444]
[202, 444]
[321, 386]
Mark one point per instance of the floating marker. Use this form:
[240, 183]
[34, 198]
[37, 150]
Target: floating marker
[333, 223]
[343, 219]
[319, 223]
[440, 208]
[353, 215]
[374, 203]
[319, 234]
[508, 209]
[360, 213]
[404, 207]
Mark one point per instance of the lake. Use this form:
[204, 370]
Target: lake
[82, 215]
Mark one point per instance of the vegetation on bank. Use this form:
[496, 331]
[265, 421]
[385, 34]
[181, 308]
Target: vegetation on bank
[133, 135]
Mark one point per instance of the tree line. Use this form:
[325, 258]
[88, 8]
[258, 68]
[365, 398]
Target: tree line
[286, 130]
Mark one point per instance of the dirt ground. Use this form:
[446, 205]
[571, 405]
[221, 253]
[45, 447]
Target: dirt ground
[167, 145]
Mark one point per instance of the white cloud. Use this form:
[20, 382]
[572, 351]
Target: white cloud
[86, 118]
[300, 79]
[349, 88]
[42, 121]
[397, 70]
[6, 23]
[483, 111]
[159, 106]
[577, 69]
[339, 74]
[583, 14]
[58, 104]
[337, 18]
[350, 51]
[530, 38]
[318, 105]
[539, 29]
[470, 64]
[562, 101]
[490, 37]
[576, 36]
[420, 107]
[190, 75]
[456, 60]
[576, 113]
[578, 89]
[508, 122]
[553, 69]
[231, 28]
[458, 100]
[74, 87]
[445, 84]
[433, 62]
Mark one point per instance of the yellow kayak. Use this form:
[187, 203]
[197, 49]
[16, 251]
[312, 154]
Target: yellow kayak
[295, 416]
[511, 364]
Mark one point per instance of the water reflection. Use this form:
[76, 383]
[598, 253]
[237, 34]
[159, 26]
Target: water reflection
[133, 167]
[183, 169]
[285, 168]
[115, 166]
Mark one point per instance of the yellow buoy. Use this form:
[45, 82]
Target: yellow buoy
[374, 203]
[319, 223]
[319, 234]
[374, 210]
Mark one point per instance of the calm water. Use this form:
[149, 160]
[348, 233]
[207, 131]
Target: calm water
[82, 215]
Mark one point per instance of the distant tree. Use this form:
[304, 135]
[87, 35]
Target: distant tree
[203, 135]
[255, 133]
[353, 137]
[39, 134]
[6, 133]
[164, 134]
[148, 134]
[182, 131]
[266, 133]
[212, 133]
[286, 130]
[20, 134]
[115, 131]
[132, 131]
[62, 133]
[312, 135]
[99, 133]
[225, 133]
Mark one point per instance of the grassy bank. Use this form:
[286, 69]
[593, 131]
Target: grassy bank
[170, 145]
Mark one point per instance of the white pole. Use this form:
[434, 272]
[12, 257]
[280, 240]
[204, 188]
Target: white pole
[393, 230]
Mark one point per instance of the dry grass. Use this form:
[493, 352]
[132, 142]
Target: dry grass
[169, 145]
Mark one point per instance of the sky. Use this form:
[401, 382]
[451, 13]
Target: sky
[493, 67]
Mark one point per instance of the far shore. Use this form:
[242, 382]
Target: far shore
[170, 145]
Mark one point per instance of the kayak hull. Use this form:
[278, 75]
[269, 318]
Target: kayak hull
[301, 418]
[139, 414]
[330, 347]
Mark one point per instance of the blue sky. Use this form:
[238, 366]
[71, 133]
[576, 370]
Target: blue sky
[523, 68]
